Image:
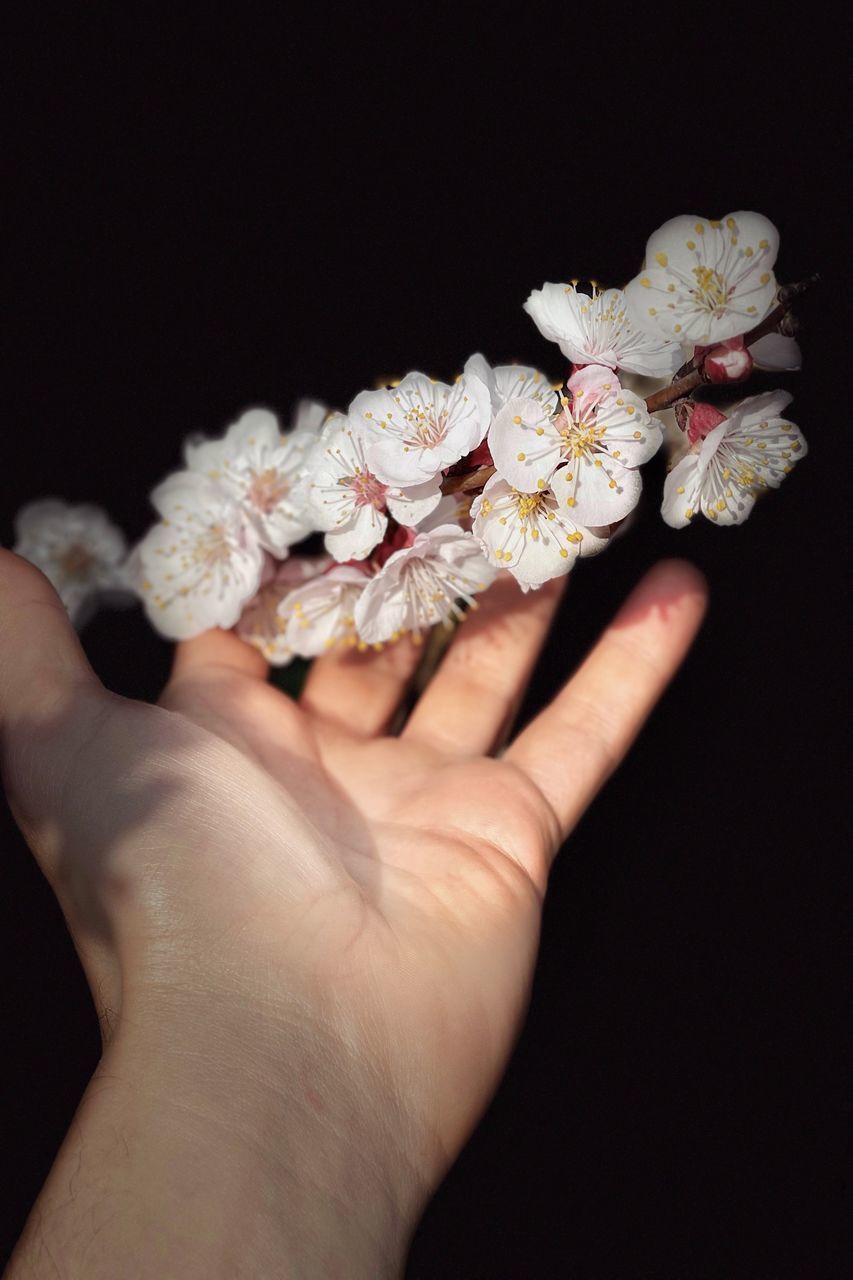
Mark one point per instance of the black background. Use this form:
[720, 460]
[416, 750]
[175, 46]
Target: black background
[205, 213]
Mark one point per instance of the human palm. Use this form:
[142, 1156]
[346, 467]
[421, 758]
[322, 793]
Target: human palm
[374, 896]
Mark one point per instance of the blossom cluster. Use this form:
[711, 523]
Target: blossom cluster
[424, 490]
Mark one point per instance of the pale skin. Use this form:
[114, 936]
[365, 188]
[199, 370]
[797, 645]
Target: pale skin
[310, 943]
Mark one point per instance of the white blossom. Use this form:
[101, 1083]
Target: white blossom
[201, 563]
[536, 536]
[705, 280]
[753, 449]
[260, 622]
[263, 471]
[321, 614]
[421, 584]
[598, 329]
[77, 548]
[595, 444]
[346, 500]
[415, 430]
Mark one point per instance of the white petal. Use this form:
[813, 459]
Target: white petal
[777, 353]
[597, 490]
[525, 444]
[681, 492]
[522, 382]
[309, 416]
[631, 435]
[555, 310]
[755, 232]
[321, 614]
[411, 506]
[357, 538]
[477, 366]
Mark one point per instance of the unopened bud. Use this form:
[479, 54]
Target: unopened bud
[729, 361]
[698, 419]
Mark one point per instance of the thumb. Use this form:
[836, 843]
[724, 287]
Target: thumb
[42, 663]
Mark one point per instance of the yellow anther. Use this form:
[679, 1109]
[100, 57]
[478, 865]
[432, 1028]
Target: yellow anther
[517, 420]
[661, 259]
[521, 456]
[680, 489]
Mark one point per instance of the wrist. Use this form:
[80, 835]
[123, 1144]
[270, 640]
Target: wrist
[219, 1148]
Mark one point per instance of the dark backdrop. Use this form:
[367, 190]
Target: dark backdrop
[202, 215]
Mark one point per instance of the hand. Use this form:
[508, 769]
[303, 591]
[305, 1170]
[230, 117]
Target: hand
[310, 942]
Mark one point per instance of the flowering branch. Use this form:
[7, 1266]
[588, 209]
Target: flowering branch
[425, 490]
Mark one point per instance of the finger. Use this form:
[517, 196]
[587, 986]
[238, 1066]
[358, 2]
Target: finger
[51, 702]
[214, 652]
[41, 661]
[475, 694]
[361, 691]
[574, 745]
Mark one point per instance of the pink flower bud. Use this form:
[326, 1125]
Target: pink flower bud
[698, 419]
[730, 361]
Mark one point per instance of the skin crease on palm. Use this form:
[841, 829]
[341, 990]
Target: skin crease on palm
[338, 904]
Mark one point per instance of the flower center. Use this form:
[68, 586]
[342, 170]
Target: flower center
[527, 503]
[267, 488]
[77, 561]
[426, 428]
[367, 490]
[710, 291]
[211, 546]
[580, 438]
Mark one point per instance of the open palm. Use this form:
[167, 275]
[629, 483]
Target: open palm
[380, 894]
